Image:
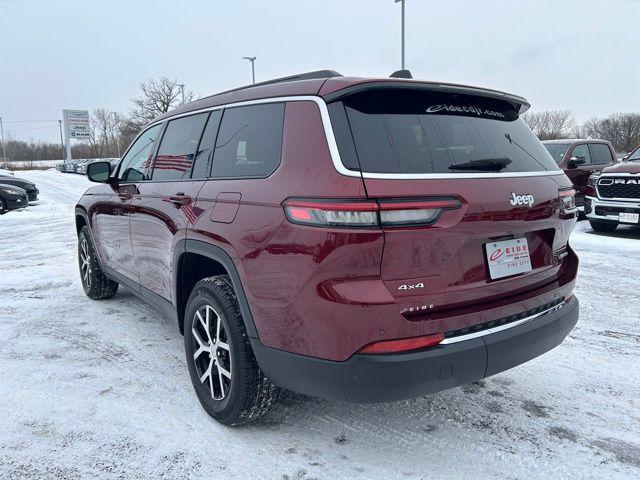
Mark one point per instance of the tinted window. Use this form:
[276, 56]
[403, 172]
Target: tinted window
[249, 142]
[556, 150]
[581, 152]
[635, 155]
[136, 164]
[178, 147]
[600, 153]
[202, 163]
[403, 131]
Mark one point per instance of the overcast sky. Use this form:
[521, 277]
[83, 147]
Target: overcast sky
[583, 55]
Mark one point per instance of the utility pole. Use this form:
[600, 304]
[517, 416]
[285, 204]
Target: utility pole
[4, 152]
[61, 140]
[253, 69]
[402, 6]
[181, 85]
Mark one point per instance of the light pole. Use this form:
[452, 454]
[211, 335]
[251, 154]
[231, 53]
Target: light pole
[402, 6]
[4, 153]
[181, 85]
[253, 69]
[61, 140]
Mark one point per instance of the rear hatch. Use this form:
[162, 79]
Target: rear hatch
[484, 212]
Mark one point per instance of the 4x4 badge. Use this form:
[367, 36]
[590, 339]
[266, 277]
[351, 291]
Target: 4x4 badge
[521, 200]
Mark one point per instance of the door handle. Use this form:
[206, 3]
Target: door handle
[180, 199]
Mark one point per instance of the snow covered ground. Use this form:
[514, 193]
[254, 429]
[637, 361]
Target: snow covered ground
[101, 390]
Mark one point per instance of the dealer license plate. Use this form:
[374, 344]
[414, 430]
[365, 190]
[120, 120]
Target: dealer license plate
[508, 257]
[629, 217]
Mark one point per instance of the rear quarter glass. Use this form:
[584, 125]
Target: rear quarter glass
[417, 132]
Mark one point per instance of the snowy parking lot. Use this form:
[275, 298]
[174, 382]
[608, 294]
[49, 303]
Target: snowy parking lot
[101, 389]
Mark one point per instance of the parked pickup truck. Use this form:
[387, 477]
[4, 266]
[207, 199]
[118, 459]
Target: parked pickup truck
[613, 197]
[579, 159]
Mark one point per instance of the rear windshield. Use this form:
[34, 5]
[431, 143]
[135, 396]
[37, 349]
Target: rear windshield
[557, 150]
[417, 132]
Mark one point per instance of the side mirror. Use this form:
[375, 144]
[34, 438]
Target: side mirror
[99, 172]
[577, 161]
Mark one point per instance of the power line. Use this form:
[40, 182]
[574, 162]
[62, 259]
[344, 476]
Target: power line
[29, 121]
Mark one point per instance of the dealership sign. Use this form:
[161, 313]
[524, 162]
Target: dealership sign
[76, 124]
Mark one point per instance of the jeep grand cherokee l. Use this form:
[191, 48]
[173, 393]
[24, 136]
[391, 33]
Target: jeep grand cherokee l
[357, 239]
[615, 195]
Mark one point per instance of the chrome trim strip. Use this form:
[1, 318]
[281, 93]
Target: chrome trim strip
[618, 175]
[500, 328]
[438, 176]
[335, 154]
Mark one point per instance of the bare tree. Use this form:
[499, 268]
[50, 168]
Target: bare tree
[550, 124]
[157, 96]
[105, 132]
[621, 129]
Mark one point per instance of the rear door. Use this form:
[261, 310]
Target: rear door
[163, 204]
[476, 174]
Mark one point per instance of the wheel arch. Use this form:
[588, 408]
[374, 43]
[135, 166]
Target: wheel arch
[81, 218]
[195, 260]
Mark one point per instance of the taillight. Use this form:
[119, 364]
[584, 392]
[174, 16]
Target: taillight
[411, 212]
[403, 345]
[567, 201]
[385, 213]
[332, 214]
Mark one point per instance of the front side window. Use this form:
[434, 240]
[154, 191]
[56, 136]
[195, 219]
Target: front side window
[249, 143]
[635, 155]
[557, 150]
[178, 148]
[136, 164]
[581, 155]
[600, 153]
[421, 132]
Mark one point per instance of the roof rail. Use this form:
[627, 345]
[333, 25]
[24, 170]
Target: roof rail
[292, 78]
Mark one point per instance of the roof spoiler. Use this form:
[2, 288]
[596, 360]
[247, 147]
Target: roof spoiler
[520, 104]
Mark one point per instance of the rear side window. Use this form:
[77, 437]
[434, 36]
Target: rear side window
[249, 143]
[136, 164]
[178, 148]
[421, 132]
[202, 163]
[600, 153]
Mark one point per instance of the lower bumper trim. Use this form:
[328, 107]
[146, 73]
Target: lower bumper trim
[384, 378]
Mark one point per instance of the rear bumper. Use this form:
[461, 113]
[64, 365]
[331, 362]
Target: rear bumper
[608, 210]
[385, 378]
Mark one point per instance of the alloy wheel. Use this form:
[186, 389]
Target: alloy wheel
[85, 262]
[212, 357]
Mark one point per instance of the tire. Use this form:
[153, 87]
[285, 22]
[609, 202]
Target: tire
[603, 226]
[95, 284]
[230, 386]
[3, 207]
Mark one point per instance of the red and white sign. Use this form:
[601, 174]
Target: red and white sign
[508, 257]
[76, 123]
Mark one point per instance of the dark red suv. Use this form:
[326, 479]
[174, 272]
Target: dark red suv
[357, 239]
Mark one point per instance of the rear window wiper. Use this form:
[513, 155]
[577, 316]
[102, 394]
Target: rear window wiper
[484, 164]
